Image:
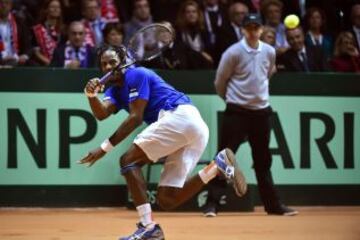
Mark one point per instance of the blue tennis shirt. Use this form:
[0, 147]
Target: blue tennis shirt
[143, 83]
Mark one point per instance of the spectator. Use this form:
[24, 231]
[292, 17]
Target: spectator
[192, 33]
[93, 22]
[113, 34]
[231, 33]
[214, 16]
[272, 11]
[268, 36]
[355, 20]
[336, 12]
[48, 32]
[141, 18]
[14, 37]
[75, 53]
[346, 55]
[299, 57]
[315, 22]
[109, 11]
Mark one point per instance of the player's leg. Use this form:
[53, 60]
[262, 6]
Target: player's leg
[131, 163]
[175, 188]
[183, 124]
[170, 198]
[233, 132]
[158, 140]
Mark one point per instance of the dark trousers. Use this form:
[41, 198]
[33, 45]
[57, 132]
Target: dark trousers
[240, 125]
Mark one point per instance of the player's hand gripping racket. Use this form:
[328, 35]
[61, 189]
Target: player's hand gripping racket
[145, 45]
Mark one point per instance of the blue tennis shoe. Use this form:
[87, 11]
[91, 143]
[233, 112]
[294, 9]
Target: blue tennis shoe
[226, 163]
[153, 232]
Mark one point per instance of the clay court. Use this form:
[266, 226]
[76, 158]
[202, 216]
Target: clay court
[328, 223]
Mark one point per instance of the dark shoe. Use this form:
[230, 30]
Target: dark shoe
[226, 163]
[283, 211]
[146, 233]
[210, 210]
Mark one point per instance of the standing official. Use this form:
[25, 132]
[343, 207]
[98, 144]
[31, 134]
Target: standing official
[242, 80]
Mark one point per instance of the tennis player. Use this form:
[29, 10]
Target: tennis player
[175, 132]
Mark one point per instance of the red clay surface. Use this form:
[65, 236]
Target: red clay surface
[318, 223]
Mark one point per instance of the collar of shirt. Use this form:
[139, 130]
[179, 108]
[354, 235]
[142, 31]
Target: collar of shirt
[313, 39]
[214, 8]
[250, 49]
[302, 51]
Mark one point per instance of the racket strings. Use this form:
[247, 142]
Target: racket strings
[150, 42]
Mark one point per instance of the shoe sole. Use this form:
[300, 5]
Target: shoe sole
[294, 213]
[239, 182]
[210, 214]
[287, 214]
[157, 236]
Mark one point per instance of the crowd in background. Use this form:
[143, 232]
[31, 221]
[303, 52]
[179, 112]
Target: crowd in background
[64, 33]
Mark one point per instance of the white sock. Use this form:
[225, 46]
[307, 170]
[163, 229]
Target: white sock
[208, 172]
[145, 215]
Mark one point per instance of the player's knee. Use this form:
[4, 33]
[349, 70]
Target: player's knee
[123, 161]
[165, 202]
[126, 160]
[126, 164]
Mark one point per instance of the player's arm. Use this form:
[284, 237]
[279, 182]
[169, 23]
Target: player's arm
[133, 120]
[101, 109]
[223, 73]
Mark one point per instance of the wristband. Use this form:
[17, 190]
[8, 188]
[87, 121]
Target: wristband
[106, 145]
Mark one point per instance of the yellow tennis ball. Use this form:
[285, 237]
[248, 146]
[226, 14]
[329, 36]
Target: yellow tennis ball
[291, 21]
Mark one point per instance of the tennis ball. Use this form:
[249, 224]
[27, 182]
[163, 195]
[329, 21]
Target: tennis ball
[291, 21]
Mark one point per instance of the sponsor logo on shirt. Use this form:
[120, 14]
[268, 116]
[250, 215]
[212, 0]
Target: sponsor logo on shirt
[133, 93]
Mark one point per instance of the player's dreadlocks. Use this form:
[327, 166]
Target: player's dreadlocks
[120, 51]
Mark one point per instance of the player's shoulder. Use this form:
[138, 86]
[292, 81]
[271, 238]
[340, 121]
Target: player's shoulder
[136, 75]
[136, 72]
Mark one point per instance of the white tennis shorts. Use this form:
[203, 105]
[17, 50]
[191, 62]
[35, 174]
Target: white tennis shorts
[180, 136]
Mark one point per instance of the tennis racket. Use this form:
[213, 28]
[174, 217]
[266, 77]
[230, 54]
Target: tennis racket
[146, 44]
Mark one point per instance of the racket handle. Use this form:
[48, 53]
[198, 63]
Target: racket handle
[105, 78]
